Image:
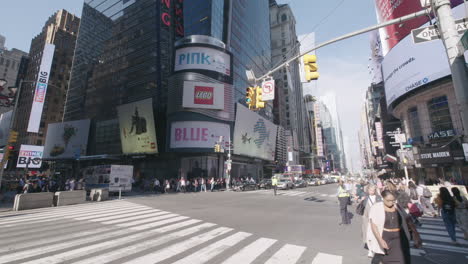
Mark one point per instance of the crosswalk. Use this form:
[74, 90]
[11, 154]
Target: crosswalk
[126, 232]
[435, 237]
[293, 193]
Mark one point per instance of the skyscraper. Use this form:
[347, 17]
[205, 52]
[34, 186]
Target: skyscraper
[60, 30]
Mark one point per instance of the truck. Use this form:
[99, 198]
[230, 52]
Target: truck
[111, 177]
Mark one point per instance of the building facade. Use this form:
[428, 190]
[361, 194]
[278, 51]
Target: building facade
[61, 30]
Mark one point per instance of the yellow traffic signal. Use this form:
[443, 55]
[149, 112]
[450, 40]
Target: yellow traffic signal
[13, 136]
[310, 67]
[250, 98]
[217, 148]
[258, 98]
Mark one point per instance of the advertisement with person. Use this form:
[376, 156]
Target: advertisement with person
[391, 9]
[30, 157]
[408, 65]
[137, 129]
[203, 95]
[202, 58]
[254, 136]
[197, 134]
[67, 140]
[41, 88]
[5, 120]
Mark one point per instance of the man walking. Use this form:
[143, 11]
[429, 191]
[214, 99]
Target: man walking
[274, 183]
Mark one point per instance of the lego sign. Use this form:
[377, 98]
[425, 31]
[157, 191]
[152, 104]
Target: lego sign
[203, 95]
[30, 157]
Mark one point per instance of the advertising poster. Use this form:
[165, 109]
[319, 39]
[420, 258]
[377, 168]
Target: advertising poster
[203, 95]
[30, 156]
[5, 120]
[41, 88]
[408, 66]
[67, 140]
[254, 136]
[137, 129]
[202, 58]
[197, 134]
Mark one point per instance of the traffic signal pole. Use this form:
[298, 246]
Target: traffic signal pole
[2, 163]
[399, 20]
[450, 38]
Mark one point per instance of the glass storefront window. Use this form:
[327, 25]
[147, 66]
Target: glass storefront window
[439, 114]
[414, 124]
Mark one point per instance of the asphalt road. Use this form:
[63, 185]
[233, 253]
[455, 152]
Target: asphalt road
[296, 226]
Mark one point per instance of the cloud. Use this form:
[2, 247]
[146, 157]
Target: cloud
[348, 81]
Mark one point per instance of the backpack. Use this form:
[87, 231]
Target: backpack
[427, 193]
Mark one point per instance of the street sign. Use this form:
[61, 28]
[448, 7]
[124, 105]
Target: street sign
[407, 146]
[268, 90]
[421, 35]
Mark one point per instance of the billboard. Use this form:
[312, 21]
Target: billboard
[30, 156]
[5, 121]
[254, 136]
[41, 88]
[202, 58]
[67, 140]
[390, 9]
[197, 134]
[408, 66]
[318, 130]
[137, 129]
[203, 95]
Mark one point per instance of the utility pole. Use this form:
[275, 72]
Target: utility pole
[450, 38]
[403, 158]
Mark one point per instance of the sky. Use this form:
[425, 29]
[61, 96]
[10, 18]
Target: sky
[342, 66]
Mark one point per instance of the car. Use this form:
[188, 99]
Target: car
[312, 182]
[265, 184]
[300, 184]
[245, 186]
[285, 184]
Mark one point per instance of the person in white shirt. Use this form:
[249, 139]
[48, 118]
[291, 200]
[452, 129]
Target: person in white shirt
[371, 198]
[157, 185]
[182, 185]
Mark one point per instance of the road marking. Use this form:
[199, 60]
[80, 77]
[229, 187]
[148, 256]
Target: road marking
[287, 254]
[144, 245]
[112, 213]
[149, 212]
[180, 247]
[207, 253]
[297, 194]
[146, 220]
[436, 232]
[157, 224]
[463, 250]
[441, 239]
[76, 253]
[249, 253]
[417, 252]
[323, 258]
[138, 217]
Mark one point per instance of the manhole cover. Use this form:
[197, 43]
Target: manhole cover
[440, 258]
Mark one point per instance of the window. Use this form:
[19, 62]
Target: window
[439, 114]
[284, 18]
[414, 125]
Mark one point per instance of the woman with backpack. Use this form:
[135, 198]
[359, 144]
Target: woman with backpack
[446, 205]
[461, 211]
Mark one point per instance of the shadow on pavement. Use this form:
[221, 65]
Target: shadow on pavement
[313, 199]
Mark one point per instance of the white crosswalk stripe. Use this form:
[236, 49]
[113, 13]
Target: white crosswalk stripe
[131, 233]
[435, 236]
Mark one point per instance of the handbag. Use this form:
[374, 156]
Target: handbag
[361, 207]
[414, 210]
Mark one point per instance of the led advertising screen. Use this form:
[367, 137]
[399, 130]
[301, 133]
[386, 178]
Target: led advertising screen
[197, 134]
[408, 65]
[67, 140]
[137, 129]
[202, 58]
[203, 95]
[41, 88]
[30, 156]
[254, 136]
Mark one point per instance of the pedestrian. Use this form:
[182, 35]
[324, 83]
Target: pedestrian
[371, 198]
[156, 185]
[274, 184]
[167, 186]
[388, 233]
[182, 185]
[344, 200]
[27, 187]
[212, 182]
[72, 184]
[425, 200]
[203, 185]
[461, 211]
[446, 204]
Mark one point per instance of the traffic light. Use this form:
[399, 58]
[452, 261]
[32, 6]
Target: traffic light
[250, 97]
[13, 136]
[258, 98]
[310, 67]
[217, 148]
[8, 151]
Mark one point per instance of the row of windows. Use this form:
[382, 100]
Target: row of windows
[12, 64]
[439, 117]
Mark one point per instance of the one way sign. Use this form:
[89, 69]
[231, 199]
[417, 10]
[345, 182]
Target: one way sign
[429, 33]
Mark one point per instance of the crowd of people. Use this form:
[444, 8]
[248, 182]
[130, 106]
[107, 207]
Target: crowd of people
[44, 184]
[391, 210]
